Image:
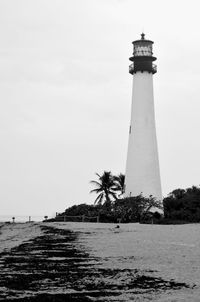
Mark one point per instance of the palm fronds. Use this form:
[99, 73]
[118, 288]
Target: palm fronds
[104, 187]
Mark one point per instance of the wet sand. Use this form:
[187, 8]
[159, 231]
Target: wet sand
[55, 267]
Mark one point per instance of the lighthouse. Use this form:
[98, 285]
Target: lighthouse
[142, 167]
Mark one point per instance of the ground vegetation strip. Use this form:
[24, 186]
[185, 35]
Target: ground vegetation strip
[51, 267]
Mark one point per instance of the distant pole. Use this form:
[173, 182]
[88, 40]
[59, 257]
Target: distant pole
[98, 218]
[83, 218]
[29, 218]
[13, 219]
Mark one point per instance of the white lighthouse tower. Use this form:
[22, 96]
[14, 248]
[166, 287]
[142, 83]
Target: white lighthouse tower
[142, 167]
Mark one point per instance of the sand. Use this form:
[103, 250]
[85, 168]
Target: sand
[98, 262]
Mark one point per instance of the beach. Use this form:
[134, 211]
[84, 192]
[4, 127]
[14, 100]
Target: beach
[99, 262]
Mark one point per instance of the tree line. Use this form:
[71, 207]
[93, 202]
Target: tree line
[180, 206]
[183, 205]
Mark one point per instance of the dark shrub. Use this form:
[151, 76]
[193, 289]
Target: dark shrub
[183, 205]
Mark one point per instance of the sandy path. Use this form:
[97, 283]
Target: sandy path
[61, 265]
[13, 234]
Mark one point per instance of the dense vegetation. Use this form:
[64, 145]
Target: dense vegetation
[180, 206]
[131, 209]
[183, 205]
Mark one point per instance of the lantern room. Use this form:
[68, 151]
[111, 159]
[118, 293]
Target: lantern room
[142, 56]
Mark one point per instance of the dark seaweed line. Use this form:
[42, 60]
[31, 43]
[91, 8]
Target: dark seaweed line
[52, 262]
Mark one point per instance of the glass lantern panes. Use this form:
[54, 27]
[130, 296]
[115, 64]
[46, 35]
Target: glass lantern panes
[142, 50]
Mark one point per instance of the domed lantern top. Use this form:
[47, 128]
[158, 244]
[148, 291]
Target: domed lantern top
[142, 47]
[142, 56]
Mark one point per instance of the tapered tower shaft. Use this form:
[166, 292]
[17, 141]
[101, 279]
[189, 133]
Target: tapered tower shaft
[142, 167]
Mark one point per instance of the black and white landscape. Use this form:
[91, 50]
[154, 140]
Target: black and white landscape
[99, 262]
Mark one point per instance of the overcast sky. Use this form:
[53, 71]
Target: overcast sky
[65, 96]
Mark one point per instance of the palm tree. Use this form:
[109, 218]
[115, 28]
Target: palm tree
[104, 188]
[119, 182]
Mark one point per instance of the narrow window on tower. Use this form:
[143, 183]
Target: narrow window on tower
[124, 188]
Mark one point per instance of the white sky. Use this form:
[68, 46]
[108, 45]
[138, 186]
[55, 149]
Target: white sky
[65, 96]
